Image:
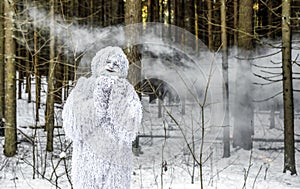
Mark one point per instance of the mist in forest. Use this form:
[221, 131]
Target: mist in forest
[187, 68]
[162, 51]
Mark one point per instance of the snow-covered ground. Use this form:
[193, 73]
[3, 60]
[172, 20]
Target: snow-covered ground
[260, 168]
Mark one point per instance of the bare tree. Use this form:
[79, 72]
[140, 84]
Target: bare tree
[10, 146]
[288, 104]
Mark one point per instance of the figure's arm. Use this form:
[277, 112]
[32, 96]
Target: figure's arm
[101, 118]
[99, 135]
[76, 112]
[134, 120]
[126, 111]
[101, 96]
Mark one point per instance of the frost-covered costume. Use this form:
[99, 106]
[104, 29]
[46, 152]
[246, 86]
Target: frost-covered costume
[101, 116]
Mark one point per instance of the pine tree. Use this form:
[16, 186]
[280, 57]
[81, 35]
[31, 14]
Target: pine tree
[51, 81]
[288, 104]
[10, 147]
[2, 64]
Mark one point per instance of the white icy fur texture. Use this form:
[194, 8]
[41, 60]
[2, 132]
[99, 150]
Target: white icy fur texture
[116, 56]
[101, 116]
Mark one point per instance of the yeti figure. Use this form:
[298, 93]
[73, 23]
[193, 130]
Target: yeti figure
[101, 117]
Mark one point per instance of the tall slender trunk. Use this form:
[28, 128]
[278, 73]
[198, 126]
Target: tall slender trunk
[58, 73]
[91, 16]
[243, 110]
[190, 22]
[270, 20]
[196, 24]
[20, 76]
[28, 77]
[179, 19]
[202, 21]
[288, 103]
[209, 25]
[153, 10]
[115, 10]
[51, 81]
[121, 12]
[235, 21]
[190, 16]
[10, 146]
[169, 8]
[66, 79]
[2, 64]
[226, 131]
[133, 15]
[37, 78]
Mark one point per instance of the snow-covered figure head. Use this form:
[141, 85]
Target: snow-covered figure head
[110, 61]
[102, 115]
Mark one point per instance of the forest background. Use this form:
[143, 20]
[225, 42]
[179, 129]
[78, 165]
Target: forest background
[29, 52]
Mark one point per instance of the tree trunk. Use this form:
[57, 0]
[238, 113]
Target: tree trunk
[59, 79]
[235, 21]
[202, 21]
[10, 146]
[190, 16]
[196, 21]
[105, 13]
[190, 22]
[36, 76]
[288, 104]
[209, 25]
[19, 68]
[133, 15]
[226, 131]
[270, 20]
[91, 16]
[28, 77]
[2, 64]
[169, 8]
[179, 19]
[153, 15]
[66, 79]
[243, 110]
[121, 12]
[36, 69]
[51, 80]
[114, 12]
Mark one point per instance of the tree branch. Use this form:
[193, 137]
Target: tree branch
[266, 99]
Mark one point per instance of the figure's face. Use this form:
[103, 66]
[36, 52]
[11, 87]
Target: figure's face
[110, 61]
[116, 65]
[113, 65]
